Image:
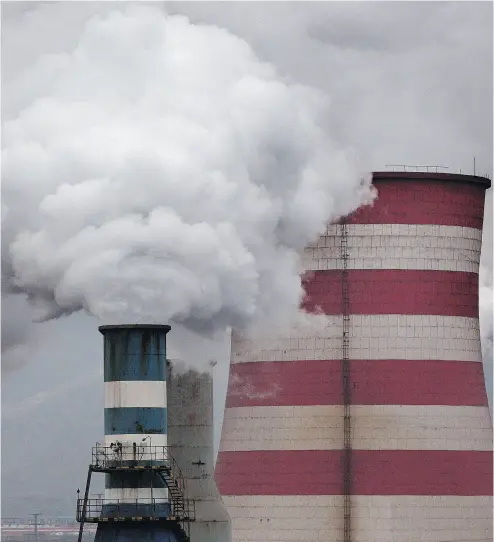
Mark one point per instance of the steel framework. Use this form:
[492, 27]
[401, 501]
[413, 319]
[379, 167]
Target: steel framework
[116, 457]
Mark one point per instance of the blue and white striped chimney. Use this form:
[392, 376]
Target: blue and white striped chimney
[135, 410]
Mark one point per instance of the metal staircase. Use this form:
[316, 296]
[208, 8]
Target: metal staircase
[176, 509]
[346, 385]
[176, 495]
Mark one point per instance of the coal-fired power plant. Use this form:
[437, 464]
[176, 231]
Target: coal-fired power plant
[373, 427]
[366, 421]
[157, 455]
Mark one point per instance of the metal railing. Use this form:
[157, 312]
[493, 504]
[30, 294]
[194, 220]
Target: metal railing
[128, 456]
[404, 167]
[120, 454]
[101, 510]
[431, 169]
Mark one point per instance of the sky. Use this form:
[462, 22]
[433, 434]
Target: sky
[360, 85]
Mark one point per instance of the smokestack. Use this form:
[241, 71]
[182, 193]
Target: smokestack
[135, 408]
[145, 491]
[376, 425]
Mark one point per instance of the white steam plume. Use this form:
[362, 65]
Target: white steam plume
[161, 172]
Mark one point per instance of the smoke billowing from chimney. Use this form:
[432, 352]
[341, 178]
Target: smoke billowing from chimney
[160, 172]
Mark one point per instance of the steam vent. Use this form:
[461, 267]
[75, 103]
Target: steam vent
[374, 427]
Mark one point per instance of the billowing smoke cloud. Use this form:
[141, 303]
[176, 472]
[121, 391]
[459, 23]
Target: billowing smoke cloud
[161, 172]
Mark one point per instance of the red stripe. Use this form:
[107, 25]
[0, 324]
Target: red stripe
[374, 472]
[424, 202]
[373, 382]
[392, 291]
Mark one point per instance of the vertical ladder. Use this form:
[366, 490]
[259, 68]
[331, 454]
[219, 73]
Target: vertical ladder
[346, 386]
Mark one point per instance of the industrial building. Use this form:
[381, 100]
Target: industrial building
[374, 427]
[370, 426]
[157, 456]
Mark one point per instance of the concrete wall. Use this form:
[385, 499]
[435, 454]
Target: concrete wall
[421, 432]
[190, 437]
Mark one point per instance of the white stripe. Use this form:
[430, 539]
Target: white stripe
[398, 246]
[143, 495]
[374, 427]
[388, 336]
[152, 439]
[392, 518]
[135, 393]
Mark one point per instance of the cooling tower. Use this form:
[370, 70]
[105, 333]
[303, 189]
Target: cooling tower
[374, 426]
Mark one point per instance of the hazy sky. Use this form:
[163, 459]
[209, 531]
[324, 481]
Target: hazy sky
[406, 83]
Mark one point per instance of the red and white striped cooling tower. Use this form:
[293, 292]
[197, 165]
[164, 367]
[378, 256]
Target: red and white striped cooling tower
[376, 426]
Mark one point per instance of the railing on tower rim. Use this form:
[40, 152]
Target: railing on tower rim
[426, 169]
[430, 169]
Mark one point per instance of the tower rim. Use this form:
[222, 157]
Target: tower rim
[437, 176]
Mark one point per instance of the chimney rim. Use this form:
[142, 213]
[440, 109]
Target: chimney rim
[116, 327]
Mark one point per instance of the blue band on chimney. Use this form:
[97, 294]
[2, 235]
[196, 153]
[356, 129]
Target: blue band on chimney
[135, 420]
[136, 368]
[135, 354]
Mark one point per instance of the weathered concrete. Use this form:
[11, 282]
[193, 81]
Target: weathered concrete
[190, 438]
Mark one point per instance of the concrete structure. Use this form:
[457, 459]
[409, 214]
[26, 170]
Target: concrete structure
[374, 427]
[190, 440]
[135, 408]
[158, 450]
[145, 495]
